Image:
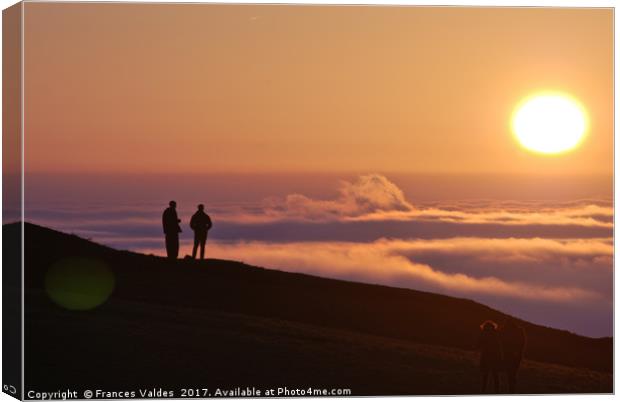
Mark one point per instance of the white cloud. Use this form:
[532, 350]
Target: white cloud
[372, 193]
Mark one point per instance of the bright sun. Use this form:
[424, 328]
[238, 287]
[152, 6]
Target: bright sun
[550, 123]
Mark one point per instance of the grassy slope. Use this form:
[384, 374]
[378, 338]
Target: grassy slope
[173, 346]
[222, 323]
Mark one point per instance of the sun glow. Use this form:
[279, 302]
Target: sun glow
[550, 123]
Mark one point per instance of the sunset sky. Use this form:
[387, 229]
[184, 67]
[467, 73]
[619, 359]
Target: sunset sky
[357, 142]
[230, 88]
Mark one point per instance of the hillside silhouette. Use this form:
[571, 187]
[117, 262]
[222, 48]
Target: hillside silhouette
[217, 323]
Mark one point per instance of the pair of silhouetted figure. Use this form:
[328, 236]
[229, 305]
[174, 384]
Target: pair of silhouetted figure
[200, 224]
[501, 350]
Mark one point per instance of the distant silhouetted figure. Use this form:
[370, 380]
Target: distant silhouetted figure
[171, 221]
[490, 354]
[200, 224]
[512, 339]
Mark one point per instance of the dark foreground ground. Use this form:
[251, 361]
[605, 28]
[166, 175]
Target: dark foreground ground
[186, 324]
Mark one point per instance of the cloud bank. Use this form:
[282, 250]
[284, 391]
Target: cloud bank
[547, 261]
[375, 198]
[523, 277]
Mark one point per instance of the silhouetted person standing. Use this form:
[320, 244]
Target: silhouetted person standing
[512, 338]
[490, 354]
[171, 221]
[200, 224]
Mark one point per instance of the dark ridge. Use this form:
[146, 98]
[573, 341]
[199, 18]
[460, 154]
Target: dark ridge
[168, 321]
[236, 287]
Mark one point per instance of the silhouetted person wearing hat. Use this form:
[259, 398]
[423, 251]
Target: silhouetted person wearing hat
[490, 354]
[512, 338]
[171, 221]
[200, 224]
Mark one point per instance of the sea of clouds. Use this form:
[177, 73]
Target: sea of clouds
[550, 262]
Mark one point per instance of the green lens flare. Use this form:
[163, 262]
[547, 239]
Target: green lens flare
[79, 283]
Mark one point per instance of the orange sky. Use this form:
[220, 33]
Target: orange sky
[229, 88]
